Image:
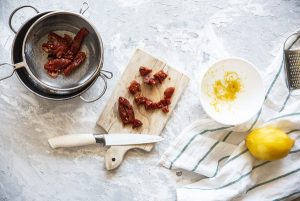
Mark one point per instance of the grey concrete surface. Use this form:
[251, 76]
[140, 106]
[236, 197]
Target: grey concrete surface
[186, 34]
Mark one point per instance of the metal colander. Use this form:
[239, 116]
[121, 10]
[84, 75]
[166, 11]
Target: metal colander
[34, 58]
[62, 22]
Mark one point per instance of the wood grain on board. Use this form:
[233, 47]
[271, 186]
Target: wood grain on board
[153, 121]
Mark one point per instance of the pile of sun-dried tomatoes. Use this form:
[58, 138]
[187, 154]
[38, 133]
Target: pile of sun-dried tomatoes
[125, 108]
[63, 53]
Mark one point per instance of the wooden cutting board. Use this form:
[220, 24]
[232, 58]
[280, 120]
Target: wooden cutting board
[153, 121]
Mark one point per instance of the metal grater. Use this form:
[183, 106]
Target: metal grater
[292, 63]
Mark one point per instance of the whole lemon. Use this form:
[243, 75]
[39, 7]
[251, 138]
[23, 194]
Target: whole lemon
[269, 143]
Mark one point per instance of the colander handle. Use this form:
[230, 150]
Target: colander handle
[103, 75]
[14, 67]
[14, 12]
[107, 74]
[84, 7]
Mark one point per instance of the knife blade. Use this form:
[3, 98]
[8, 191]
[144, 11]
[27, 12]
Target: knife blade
[75, 140]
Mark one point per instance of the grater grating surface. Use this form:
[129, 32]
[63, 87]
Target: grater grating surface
[292, 63]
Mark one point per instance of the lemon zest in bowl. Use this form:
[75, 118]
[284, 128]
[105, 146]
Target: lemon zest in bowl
[226, 90]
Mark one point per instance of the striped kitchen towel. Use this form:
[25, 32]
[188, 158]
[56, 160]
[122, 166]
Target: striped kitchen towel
[219, 152]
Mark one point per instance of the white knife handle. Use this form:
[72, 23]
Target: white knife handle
[73, 140]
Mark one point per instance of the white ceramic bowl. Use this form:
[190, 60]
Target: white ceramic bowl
[248, 101]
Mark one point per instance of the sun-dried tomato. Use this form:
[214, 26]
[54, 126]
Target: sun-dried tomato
[165, 102]
[151, 105]
[125, 111]
[160, 76]
[79, 59]
[68, 39]
[145, 70]
[169, 92]
[127, 114]
[75, 47]
[149, 80]
[140, 100]
[134, 87]
[56, 45]
[136, 123]
[63, 52]
[52, 73]
[57, 64]
[165, 109]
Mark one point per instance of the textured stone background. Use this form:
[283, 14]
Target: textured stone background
[187, 34]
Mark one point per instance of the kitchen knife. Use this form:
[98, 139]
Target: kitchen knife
[74, 140]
